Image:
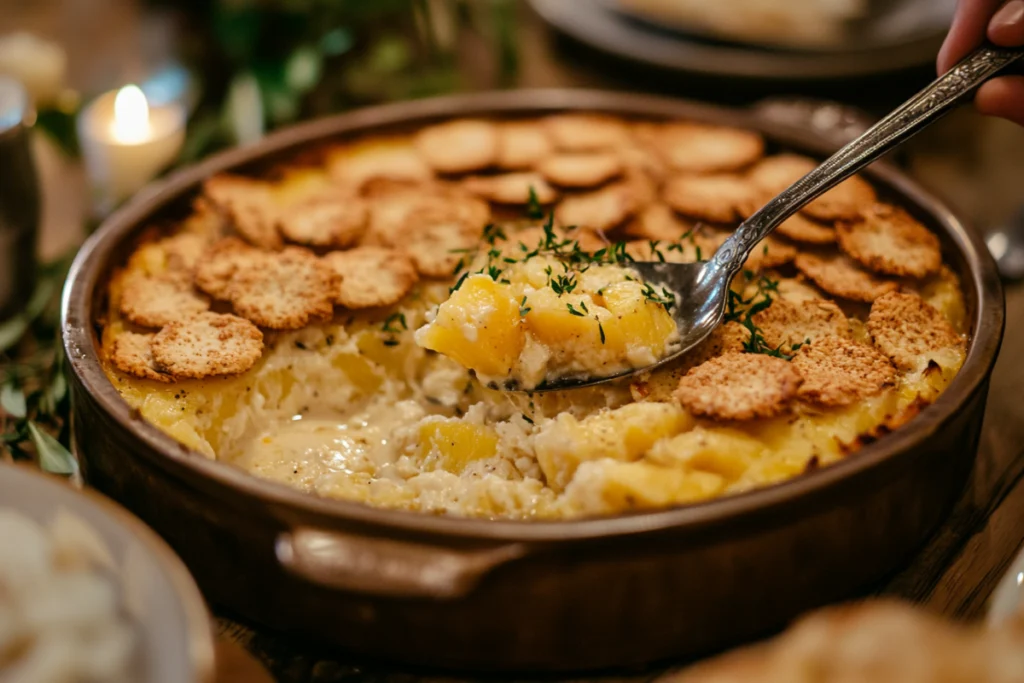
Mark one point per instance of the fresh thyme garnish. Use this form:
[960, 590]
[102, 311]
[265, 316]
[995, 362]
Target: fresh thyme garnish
[573, 311]
[664, 298]
[527, 418]
[534, 210]
[391, 320]
[743, 311]
[600, 329]
[523, 308]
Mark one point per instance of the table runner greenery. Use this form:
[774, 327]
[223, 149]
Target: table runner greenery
[252, 65]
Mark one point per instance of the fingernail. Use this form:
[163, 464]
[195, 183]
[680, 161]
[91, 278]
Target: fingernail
[1007, 26]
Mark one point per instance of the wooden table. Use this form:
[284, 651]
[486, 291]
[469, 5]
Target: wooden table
[976, 164]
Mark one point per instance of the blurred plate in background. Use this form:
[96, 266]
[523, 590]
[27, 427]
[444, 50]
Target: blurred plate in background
[676, 34]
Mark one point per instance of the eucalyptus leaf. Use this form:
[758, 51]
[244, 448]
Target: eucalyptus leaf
[12, 400]
[12, 331]
[53, 457]
[303, 70]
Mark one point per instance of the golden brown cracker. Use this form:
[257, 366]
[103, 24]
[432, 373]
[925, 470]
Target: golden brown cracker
[658, 222]
[580, 169]
[459, 146]
[356, 166]
[372, 276]
[887, 239]
[739, 386]
[132, 353]
[840, 276]
[906, 328]
[601, 210]
[585, 132]
[701, 148]
[786, 324]
[156, 300]
[521, 144]
[249, 205]
[800, 228]
[283, 290]
[331, 223]
[838, 371]
[512, 188]
[722, 198]
[207, 345]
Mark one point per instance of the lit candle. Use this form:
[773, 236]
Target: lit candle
[125, 143]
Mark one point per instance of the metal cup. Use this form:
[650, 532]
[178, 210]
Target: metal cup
[19, 199]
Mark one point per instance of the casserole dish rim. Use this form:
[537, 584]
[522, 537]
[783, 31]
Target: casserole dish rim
[979, 283]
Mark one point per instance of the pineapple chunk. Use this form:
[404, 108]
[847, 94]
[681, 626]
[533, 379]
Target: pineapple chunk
[725, 452]
[607, 486]
[643, 329]
[456, 444]
[479, 327]
[553, 323]
[625, 433]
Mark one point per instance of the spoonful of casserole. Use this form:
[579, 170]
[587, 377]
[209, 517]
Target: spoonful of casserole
[544, 313]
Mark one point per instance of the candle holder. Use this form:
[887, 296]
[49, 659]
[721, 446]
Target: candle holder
[125, 143]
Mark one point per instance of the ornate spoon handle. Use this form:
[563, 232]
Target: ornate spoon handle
[910, 118]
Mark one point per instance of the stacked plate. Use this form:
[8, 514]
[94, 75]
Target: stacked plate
[760, 39]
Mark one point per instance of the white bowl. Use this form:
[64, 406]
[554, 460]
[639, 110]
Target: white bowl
[176, 641]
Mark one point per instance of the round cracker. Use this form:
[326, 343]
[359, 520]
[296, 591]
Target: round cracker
[700, 148]
[283, 290]
[334, 223]
[797, 290]
[658, 222]
[722, 198]
[845, 201]
[217, 266]
[739, 386]
[207, 345]
[459, 146]
[371, 276]
[512, 188]
[437, 241]
[906, 328]
[132, 354]
[377, 159]
[800, 228]
[601, 210]
[521, 144]
[786, 324]
[249, 205]
[183, 251]
[889, 240]
[585, 132]
[838, 371]
[840, 276]
[392, 218]
[155, 300]
[768, 253]
[580, 169]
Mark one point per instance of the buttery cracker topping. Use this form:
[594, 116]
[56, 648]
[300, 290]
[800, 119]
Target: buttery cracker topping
[512, 188]
[155, 300]
[797, 290]
[218, 265]
[132, 353]
[585, 132]
[845, 201]
[437, 241]
[183, 251]
[716, 198]
[887, 239]
[739, 386]
[699, 148]
[838, 371]
[768, 253]
[838, 275]
[335, 222]
[521, 145]
[800, 228]
[371, 276]
[658, 222]
[602, 209]
[283, 290]
[908, 329]
[786, 324]
[459, 146]
[580, 169]
[207, 345]
[355, 168]
[249, 205]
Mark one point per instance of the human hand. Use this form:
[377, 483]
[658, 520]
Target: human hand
[1002, 24]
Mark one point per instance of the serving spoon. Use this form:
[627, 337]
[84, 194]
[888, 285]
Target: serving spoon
[702, 289]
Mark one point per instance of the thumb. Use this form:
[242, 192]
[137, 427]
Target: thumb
[1007, 25]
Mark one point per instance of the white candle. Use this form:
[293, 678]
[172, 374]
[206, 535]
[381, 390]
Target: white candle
[125, 143]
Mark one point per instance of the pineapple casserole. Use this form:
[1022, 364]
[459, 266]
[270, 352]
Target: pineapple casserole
[344, 324]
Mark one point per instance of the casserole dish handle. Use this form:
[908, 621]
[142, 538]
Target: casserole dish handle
[388, 567]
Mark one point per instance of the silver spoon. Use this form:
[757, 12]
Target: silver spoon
[703, 288]
[1006, 243]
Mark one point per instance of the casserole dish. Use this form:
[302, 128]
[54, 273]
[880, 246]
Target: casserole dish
[506, 595]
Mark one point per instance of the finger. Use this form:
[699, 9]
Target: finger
[1003, 97]
[1007, 26]
[967, 32]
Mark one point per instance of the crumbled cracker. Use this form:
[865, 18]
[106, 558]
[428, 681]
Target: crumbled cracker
[658, 222]
[217, 266]
[356, 166]
[436, 241]
[512, 188]
[739, 386]
[905, 327]
[283, 290]
[580, 169]
[371, 276]
[459, 146]
[785, 324]
[700, 148]
[800, 228]
[207, 345]
[249, 205]
[132, 353]
[521, 144]
[585, 132]
[844, 201]
[838, 371]
[838, 275]
[155, 300]
[716, 198]
[327, 222]
[601, 210]
[887, 239]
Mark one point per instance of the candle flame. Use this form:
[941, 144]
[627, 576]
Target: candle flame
[131, 115]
